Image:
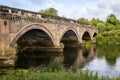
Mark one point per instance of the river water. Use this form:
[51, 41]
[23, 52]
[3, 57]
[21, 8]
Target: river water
[104, 59]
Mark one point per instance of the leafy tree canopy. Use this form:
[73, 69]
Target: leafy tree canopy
[83, 20]
[112, 19]
[96, 21]
[50, 11]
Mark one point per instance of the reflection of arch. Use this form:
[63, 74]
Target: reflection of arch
[31, 27]
[84, 56]
[95, 34]
[86, 36]
[69, 29]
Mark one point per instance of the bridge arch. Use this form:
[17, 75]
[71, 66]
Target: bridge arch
[27, 28]
[95, 34]
[86, 35]
[69, 29]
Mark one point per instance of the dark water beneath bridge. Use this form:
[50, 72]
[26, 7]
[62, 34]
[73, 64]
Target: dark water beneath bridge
[104, 59]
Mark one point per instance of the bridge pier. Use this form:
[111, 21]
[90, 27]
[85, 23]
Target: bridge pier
[4, 35]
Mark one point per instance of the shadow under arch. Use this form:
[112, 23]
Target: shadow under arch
[69, 37]
[35, 38]
[95, 34]
[86, 36]
[69, 29]
[32, 27]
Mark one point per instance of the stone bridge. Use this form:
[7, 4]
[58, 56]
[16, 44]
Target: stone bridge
[19, 27]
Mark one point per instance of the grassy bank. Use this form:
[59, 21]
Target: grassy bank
[53, 71]
[56, 75]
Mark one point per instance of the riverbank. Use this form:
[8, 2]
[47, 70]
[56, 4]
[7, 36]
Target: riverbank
[54, 75]
[109, 30]
[53, 71]
[111, 37]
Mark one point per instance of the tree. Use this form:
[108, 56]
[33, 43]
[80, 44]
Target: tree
[112, 19]
[50, 11]
[83, 20]
[96, 21]
[101, 27]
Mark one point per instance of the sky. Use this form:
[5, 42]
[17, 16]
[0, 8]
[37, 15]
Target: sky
[73, 9]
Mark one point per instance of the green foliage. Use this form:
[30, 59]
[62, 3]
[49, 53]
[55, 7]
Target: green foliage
[50, 11]
[110, 27]
[58, 75]
[101, 26]
[54, 65]
[112, 19]
[87, 46]
[83, 20]
[109, 37]
[96, 21]
[109, 31]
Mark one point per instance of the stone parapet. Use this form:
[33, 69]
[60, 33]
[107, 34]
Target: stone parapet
[15, 14]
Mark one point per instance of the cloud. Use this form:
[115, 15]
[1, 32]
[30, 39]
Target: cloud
[97, 9]
[72, 9]
[71, 12]
[105, 7]
[33, 5]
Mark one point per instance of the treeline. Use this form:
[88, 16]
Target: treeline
[111, 23]
[109, 30]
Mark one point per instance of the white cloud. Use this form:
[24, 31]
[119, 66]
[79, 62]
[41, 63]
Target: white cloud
[21, 1]
[96, 8]
[76, 12]
[73, 12]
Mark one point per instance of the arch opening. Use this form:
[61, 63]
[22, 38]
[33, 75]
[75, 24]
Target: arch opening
[28, 28]
[32, 46]
[35, 37]
[69, 38]
[86, 36]
[95, 34]
[34, 41]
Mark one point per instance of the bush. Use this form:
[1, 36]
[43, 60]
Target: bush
[58, 75]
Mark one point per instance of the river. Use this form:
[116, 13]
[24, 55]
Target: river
[104, 59]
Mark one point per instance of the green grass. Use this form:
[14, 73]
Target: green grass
[54, 65]
[55, 75]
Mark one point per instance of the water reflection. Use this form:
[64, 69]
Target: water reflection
[72, 58]
[78, 57]
[104, 59]
[106, 62]
[30, 59]
[111, 53]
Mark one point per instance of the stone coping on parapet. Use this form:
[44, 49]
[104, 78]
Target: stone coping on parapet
[15, 14]
[22, 12]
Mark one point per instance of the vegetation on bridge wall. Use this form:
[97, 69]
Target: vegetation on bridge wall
[109, 30]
